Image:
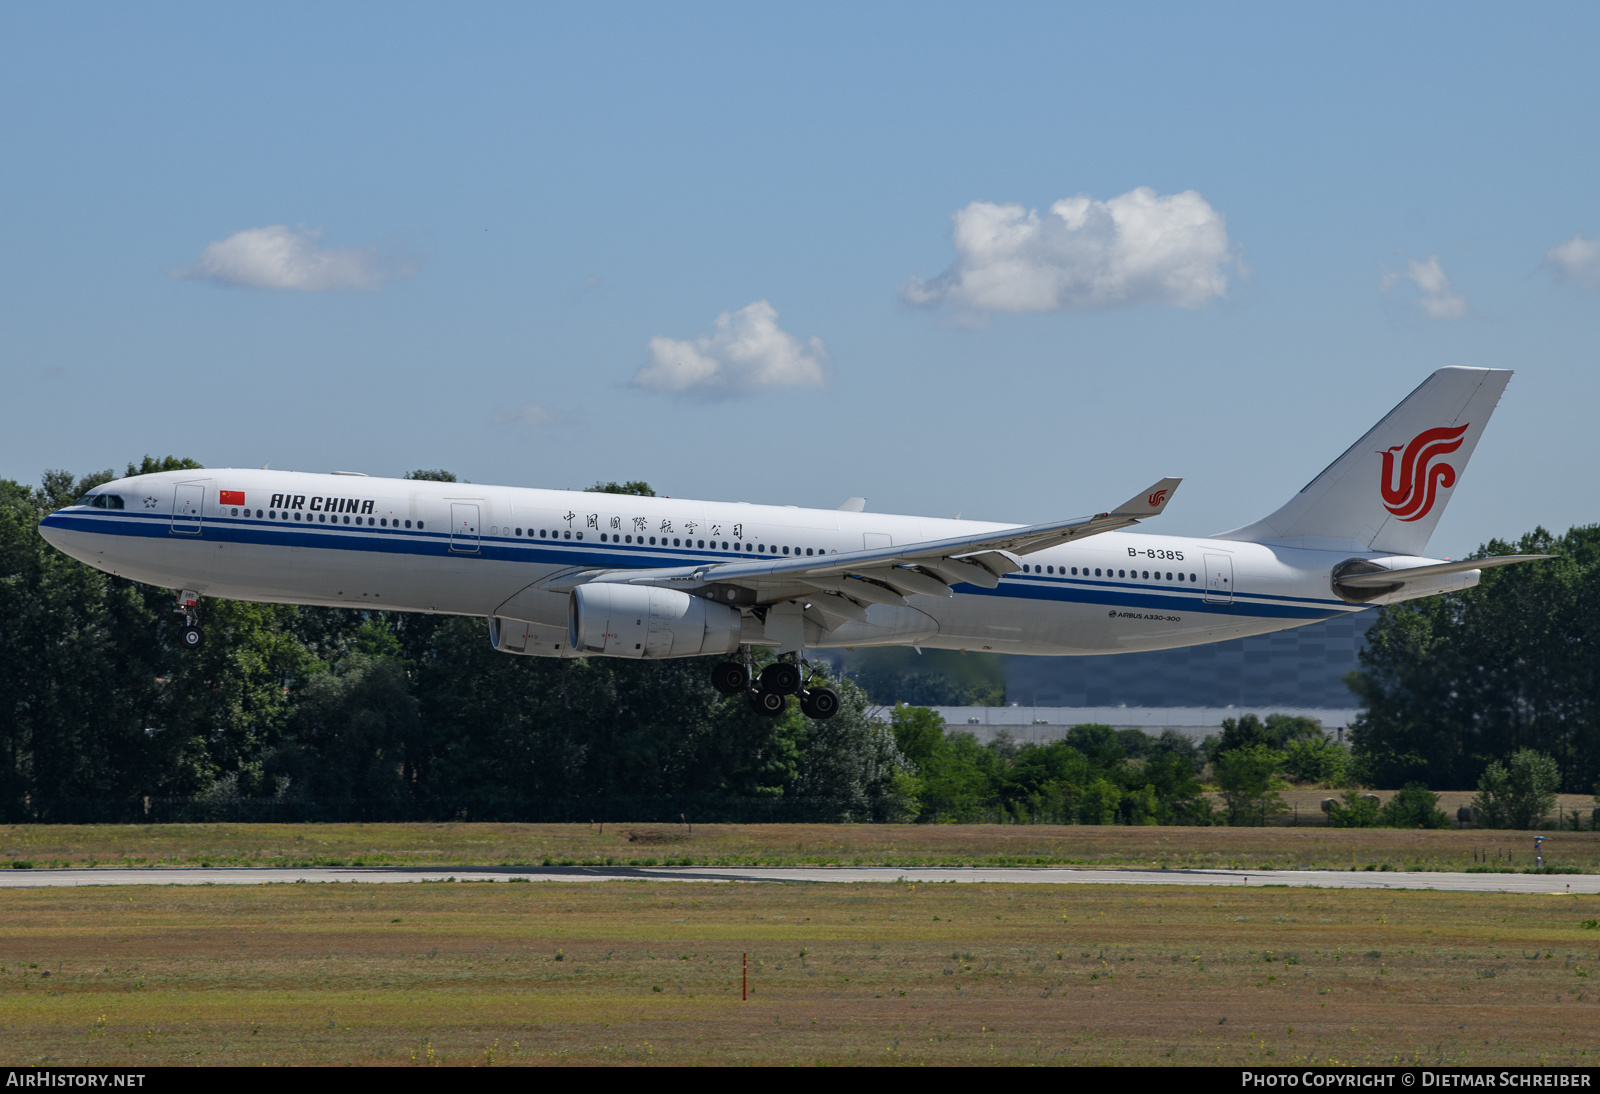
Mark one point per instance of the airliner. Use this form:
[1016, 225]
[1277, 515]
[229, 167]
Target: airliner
[560, 573]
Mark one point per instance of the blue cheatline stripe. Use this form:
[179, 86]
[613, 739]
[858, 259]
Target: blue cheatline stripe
[585, 553]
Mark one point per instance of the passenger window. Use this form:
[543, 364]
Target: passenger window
[1169, 577]
[1147, 575]
[652, 541]
[258, 514]
[1191, 577]
[808, 552]
[419, 524]
[580, 534]
[408, 525]
[1097, 571]
[232, 513]
[568, 535]
[675, 542]
[1180, 576]
[1122, 573]
[786, 550]
[702, 543]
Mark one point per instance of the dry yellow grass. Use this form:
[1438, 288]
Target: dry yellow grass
[783, 845]
[634, 973]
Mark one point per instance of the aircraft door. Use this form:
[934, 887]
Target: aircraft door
[187, 500]
[464, 527]
[871, 540]
[1219, 579]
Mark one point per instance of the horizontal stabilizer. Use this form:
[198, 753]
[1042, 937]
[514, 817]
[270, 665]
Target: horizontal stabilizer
[1378, 579]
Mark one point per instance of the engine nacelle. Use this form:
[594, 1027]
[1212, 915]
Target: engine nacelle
[529, 639]
[617, 620]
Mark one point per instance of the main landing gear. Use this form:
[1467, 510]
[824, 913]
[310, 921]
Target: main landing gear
[190, 637]
[769, 693]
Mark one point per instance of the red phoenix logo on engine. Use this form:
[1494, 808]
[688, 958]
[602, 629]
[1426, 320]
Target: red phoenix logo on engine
[1412, 494]
[1157, 498]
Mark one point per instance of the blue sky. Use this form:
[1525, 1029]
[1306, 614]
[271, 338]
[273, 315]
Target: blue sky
[499, 239]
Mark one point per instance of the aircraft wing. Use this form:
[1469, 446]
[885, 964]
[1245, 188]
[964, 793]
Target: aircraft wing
[886, 575]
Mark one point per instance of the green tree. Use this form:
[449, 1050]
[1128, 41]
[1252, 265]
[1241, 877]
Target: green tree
[355, 731]
[1415, 806]
[852, 759]
[1450, 683]
[897, 674]
[1277, 732]
[918, 733]
[436, 475]
[1318, 759]
[637, 487]
[1248, 779]
[150, 465]
[1098, 743]
[1170, 779]
[1353, 809]
[1517, 793]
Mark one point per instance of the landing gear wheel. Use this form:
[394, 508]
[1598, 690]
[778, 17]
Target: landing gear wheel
[781, 678]
[768, 703]
[819, 703]
[191, 638]
[730, 678]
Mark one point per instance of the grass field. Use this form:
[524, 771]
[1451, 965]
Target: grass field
[785, 845]
[640, 973]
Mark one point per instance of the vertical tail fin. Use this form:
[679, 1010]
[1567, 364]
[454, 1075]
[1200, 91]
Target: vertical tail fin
[1388, 490]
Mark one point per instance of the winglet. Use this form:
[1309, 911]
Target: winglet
[1148, 503]
[853, 505]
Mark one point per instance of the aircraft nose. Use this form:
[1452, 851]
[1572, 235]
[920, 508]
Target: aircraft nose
[57, 532]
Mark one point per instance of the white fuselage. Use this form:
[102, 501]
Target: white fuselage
[460, 548]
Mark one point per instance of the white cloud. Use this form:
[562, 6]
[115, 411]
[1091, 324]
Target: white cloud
[531, 415]
[746, 352]
[279, 257]
[1437, 299]
[1083, 255]
[1577, 259]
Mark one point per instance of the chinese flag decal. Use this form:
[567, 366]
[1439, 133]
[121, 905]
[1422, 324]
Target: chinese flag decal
[233, 497]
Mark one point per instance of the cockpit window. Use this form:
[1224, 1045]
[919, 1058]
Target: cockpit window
[101, 501]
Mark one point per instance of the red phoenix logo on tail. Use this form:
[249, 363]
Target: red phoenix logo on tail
[1411, 497]
[1157, 498]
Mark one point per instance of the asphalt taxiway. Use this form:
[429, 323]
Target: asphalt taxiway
[1575, 884]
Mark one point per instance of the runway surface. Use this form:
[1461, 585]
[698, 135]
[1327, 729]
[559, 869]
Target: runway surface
[1585, 884]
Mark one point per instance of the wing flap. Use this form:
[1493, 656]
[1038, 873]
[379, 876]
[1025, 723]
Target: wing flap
[927, 568]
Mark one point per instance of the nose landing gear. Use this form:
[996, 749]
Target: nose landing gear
[190, 637]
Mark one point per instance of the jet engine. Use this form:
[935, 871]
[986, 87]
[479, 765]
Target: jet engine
[619, 620]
